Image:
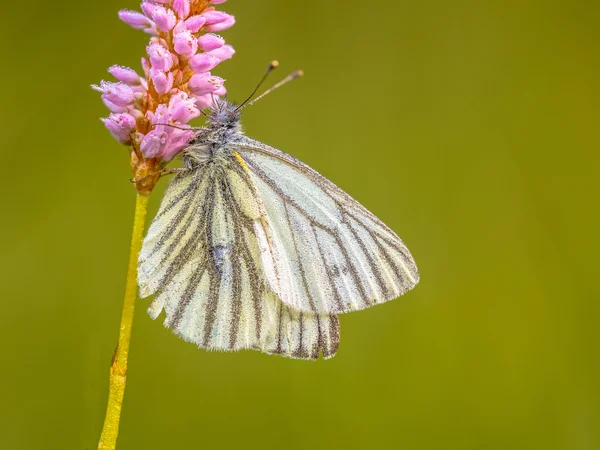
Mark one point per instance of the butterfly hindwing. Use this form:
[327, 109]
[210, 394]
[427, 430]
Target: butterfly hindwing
[329, 254]
[202, 259]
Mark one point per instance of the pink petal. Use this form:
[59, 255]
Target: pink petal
[194, 23]
[203, 62]
[134, 19]
[218, 20]
[204, 101]
[177, 143]
[217, 2]
[223, 53]
[165, 19]
[154, 143]
[116, 93]
[125, 74]
[182, 8]
[163, 82]
[183, 108]
[208, 42]
[204, 83]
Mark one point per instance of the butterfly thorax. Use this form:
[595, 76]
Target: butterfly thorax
[215, 142]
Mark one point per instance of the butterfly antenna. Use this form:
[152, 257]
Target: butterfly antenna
[290, 77]
[173, 126]
[272, 66]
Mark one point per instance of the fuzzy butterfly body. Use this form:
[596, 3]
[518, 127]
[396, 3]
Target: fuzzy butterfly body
[252, 249]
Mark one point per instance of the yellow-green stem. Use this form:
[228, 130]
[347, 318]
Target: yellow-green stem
[118, 368]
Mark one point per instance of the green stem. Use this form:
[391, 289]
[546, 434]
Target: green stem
[118, 368]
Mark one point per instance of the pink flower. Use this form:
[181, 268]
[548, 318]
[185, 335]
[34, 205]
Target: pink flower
[160, 57]
[204, 83]
[120, 126]
[163, 82]
[118, 94]
[185, 43]
[223, 53]
[208, 42]
[134, 19]
[218, 21]
[125, 74]
[183, 108]
[203, 62]
[164, 19]
[194, 23]
[182, 8]
[154, 143]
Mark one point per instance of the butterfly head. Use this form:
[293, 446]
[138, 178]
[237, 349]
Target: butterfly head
[223, 114]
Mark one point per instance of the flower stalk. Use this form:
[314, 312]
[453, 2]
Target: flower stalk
[118, 368]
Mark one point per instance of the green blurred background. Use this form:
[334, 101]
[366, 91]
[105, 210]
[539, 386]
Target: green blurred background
[471, 128]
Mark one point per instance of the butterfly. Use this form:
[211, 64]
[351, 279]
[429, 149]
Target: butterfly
[253, 249]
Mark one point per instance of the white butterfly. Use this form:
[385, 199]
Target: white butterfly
[253, 249]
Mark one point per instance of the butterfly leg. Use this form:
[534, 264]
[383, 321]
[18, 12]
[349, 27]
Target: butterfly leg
[162, 173]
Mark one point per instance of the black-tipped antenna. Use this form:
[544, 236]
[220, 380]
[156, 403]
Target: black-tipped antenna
[272, 66]
[290, 77]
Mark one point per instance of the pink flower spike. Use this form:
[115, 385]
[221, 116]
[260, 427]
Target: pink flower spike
[204, 83]
[163, 82]
[185, 43]
[203, 62]
[210, 42]
[160, 57]
[116, 93]
[120, 126]
[134, 19]
[182, 8]
[218, 21]
[223, 53]
[165, 19]
[125, 74]
[154, 143]
[183, 108]
[194, 23]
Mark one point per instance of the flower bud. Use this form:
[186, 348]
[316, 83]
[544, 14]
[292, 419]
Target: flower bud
[120, 126]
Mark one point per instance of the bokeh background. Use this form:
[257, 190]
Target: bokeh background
[470, 127]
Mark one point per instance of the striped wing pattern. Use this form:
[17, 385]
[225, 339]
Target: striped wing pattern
[202, 259]
[329, 254]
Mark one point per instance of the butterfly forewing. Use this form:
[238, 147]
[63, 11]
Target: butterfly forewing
[330, 254]
[202, 259]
